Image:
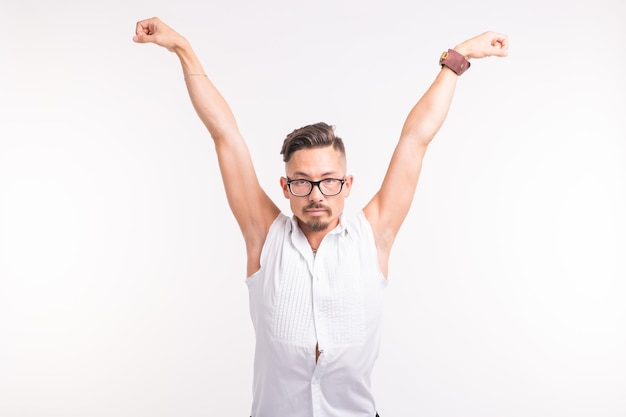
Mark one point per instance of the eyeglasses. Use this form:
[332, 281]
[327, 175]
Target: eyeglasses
[328, 186]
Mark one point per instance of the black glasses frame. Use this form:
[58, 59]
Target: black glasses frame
[315, 183]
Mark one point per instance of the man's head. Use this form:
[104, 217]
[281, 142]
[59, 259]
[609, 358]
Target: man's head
[314, 154]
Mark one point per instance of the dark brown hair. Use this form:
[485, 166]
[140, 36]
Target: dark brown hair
[318, 135]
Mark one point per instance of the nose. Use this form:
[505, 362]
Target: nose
[316, 194]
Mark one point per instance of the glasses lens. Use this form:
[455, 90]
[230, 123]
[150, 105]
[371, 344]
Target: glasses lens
[330, 186]
[300, 187]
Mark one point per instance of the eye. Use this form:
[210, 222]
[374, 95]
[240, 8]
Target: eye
[300, 182]
[329, 181]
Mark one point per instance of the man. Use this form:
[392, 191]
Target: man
[316, 279]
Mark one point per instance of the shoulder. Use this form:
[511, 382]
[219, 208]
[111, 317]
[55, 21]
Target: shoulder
[357, 225]
[280, 227]
[281, 222]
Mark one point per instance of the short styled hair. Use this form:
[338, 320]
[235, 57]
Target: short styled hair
[318, 135]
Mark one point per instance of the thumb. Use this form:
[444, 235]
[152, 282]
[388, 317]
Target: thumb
[142, 38]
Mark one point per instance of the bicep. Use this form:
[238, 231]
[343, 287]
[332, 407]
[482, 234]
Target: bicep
[254, 211]
[388, 208]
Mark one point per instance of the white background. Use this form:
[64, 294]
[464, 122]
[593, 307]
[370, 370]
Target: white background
[122, 271]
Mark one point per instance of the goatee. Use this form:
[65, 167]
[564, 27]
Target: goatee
[316, 226]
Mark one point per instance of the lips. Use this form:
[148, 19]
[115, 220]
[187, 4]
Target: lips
[316, 210]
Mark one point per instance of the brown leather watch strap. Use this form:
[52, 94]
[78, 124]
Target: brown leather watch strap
[455, 61]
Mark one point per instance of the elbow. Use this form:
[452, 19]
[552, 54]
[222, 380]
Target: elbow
[422, 136]
[420, 140]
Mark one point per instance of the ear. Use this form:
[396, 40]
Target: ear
[347, 186]
[283, 185]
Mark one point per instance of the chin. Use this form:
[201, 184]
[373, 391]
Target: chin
[317, 226]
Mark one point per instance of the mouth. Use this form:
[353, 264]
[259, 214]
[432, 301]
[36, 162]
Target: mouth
[316, 211]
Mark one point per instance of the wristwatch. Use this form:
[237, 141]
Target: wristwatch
[455, 61]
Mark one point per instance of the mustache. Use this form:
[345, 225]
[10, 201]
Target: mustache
[316, 206]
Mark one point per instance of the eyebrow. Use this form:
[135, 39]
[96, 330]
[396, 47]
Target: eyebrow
[304, 174]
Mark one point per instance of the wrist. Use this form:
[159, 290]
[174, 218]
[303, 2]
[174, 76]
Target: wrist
[463, 50]
[189, 61]
[180, 46]
[455, 61]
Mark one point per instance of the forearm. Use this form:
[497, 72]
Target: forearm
[428, 115]
[426, 118]
[207, 101]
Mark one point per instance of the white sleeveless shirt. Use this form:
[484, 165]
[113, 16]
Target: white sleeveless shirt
[335, 300]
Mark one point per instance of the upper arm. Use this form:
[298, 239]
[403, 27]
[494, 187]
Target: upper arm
[389, 207]
[254, 211]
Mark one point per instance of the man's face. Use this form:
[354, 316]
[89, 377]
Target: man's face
[317, 212]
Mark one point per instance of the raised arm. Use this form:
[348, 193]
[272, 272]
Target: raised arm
[252, 208]
[389, 207]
